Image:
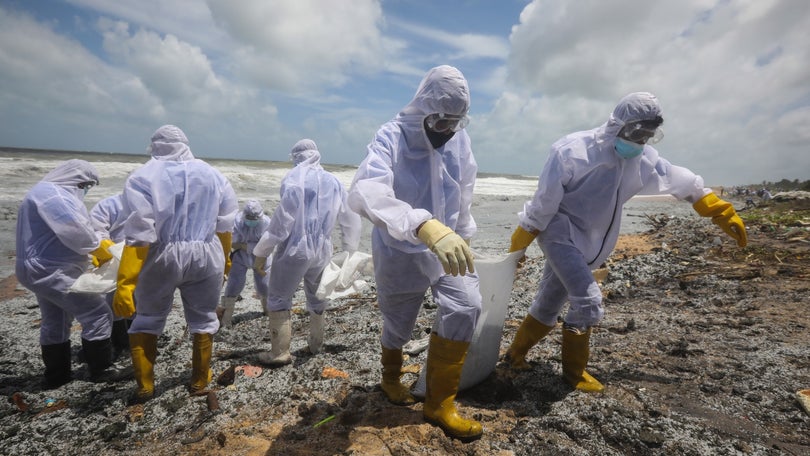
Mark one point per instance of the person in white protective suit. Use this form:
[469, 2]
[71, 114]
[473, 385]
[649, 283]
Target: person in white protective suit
[180, 214]
[108, 219]
[416, 186]
[250, 223]
[312, 202]
[55, 241]
[575, 215]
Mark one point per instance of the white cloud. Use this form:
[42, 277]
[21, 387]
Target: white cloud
[190, 20]
[467, 45]
[299, 45]
[179, 74]
[56, 80]
[722, 70]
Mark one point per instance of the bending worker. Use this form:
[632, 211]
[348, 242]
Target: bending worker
[178, 236]
[312, 201]
[248, 228]
[54, 241]
[416, 187]
[576, 214]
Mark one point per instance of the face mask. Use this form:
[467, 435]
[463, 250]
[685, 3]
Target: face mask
[627, 149]
[85, 190]
[251, 223]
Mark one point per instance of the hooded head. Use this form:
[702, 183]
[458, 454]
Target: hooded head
[170, 143]
[77, 175]
[253, 210]
[443, 90]
[305, 150]
[252, 213]
[637, 106]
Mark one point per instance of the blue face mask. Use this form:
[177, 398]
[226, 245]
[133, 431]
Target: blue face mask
[627, 149]
[251, 223]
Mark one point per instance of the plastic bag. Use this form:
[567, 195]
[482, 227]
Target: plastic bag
[102, 279]
[496, 275]
[343, 275]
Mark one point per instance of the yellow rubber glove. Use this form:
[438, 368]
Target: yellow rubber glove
[724, 216]
[258, 265]
[521, 239]
[225, 239]
[452, 250]
[101, 255]
[132, 259]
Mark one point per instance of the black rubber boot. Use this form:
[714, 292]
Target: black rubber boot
[120, 337]
[99, 356]
[57, 364]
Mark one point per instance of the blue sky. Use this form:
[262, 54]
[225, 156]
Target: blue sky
[246, 79]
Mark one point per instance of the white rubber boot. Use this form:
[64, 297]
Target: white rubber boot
[280, 333]
[228, 304]
[316, 323]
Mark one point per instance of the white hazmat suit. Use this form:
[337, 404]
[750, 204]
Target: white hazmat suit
[108, 217]
[176, 204]
[577, 208]
[313, 202]
[54, 240]
[250, 223]
[180, 212]
[413, 176]
[576, 213]
[404, 182]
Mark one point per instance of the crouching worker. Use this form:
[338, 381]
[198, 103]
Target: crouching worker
[576, 215]
[54, 241]
[416, 186]
[248, 228]
[312, 202]
[178, 236]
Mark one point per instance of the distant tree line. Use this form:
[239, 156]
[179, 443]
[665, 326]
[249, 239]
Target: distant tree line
[786, 185]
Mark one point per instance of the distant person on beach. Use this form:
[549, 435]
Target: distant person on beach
[250, 223]
[312, 202]
[108, 219]
[55, 242]
[576, 212]
[416, 186]
[180, 214]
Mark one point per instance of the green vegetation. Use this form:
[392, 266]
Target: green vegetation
[777, 214]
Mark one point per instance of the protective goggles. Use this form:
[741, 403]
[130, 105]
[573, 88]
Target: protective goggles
[87, 185]
[253, 216]
[443, 123]
[639, 133]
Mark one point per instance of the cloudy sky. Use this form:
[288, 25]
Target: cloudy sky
[247, 79]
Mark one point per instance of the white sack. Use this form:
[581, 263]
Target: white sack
[343, 276]
[102, 279]
[496, 276]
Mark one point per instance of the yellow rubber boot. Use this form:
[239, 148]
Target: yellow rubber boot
[444, 363]
[391, 385]
[143, 348]
[529, 333]
[201, 348]
[575, 353]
